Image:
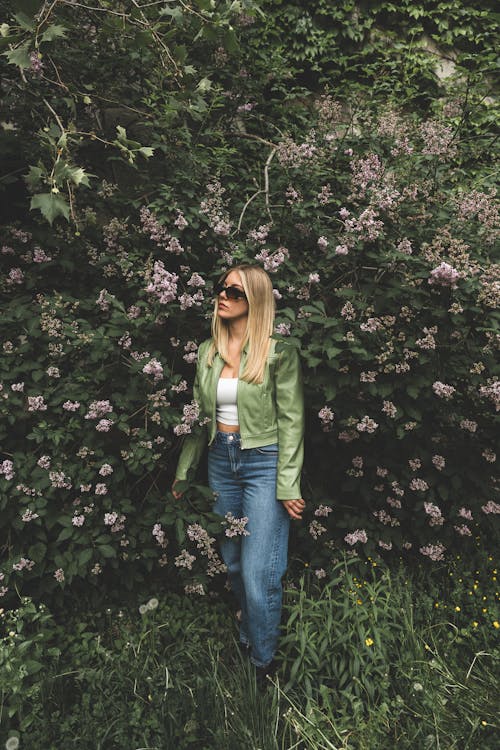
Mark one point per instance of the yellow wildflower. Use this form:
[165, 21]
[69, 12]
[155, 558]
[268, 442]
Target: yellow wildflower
[369, 641]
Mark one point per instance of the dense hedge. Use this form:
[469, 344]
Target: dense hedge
[155, 157]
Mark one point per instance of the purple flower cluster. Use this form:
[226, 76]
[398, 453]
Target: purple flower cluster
[159, 535]
[434, 551]
[162, 283]
[236, 526]
[436, 517]
[492, 392]
[327, 417]
[443, 390]
[36, 403]
[356, 536]
[444, 275]
[272, 260]
[7, 469]
[154, 368]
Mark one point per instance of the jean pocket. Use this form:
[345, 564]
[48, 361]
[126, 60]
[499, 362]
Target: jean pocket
[268, 450]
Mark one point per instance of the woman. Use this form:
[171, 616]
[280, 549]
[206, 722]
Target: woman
[253, 397]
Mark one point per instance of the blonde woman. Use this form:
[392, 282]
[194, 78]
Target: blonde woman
[253, 397]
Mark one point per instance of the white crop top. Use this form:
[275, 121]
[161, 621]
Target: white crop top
[227, 409]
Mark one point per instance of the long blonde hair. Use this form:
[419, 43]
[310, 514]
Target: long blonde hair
[260, 322]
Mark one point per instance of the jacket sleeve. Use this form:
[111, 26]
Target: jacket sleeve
[194, 442]
[290, 416]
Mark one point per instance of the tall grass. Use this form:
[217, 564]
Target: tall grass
[364, 665]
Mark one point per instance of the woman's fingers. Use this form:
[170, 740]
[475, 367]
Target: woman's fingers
[295, 508]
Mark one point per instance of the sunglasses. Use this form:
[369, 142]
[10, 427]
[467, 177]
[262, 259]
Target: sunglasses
[232, 292]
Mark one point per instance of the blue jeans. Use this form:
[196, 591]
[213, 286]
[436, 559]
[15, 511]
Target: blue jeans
[245, 484]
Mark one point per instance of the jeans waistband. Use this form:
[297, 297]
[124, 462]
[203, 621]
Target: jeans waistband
[228, 437]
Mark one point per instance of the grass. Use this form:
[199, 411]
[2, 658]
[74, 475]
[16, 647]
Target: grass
[367, 663]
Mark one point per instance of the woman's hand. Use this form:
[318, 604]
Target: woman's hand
[175, 492]
[295, 508]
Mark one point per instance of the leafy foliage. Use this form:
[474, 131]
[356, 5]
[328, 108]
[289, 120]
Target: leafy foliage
[148, 148]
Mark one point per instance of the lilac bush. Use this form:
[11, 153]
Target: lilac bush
[381, 253]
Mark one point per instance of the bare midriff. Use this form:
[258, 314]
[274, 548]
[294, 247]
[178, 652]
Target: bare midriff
[228, 427]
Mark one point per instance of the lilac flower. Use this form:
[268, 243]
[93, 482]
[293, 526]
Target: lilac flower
[283, 329]
[152, 227]
[104, 300]
[16, 276]
[40, 256]
[444, 275]
[109, 518]
[418, 485]
[404, 246]
[341, 250]
[434, 551]
[272, 260]
[385, 545]
[184, 560]
[24, 563]
[104, 425]
[196, 280]
[180, 222]
[36, 403]
[468, 424]
[194, 588]
[465, 513]
[492, 392]
[78, 520]
[324, 195]
[162, 284]
[18, 386]
[320, 573]
[105, 470]
[489, 455]
[60, 480]
[7, 469]
[236, 526]
[356, 536]
[159, 535]
[323, 511]
[316, 529]
[36, 65]
[463, 530]
[443, 390]
[313, 278]
[98, 409]
[439, 462]
[438, 139]
[367, 425]
[44, 462]
[154, 368]
[436, 517]
[59, 575]
[490, 507]
[29, 515]
[322, 243]
[326, 416]
[390, 409]
[71, 406]
[101, 489]
[53, 372]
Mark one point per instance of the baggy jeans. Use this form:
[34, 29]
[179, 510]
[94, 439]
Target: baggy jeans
[245, 485]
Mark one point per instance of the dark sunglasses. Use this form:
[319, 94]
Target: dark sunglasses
[232, 292]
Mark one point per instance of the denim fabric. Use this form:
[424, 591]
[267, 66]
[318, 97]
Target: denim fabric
[245, 484]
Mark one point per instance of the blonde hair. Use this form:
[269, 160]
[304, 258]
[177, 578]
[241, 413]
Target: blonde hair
[260, 322]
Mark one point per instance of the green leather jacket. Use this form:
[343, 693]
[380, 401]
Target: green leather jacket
[268, 412]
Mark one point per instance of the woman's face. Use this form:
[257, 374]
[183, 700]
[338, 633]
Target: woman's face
[232, 309]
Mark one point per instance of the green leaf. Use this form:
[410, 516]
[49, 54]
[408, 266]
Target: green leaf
[53, 32]
[25, 22]
[19, 56]
[51, 206]
[34, 176]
